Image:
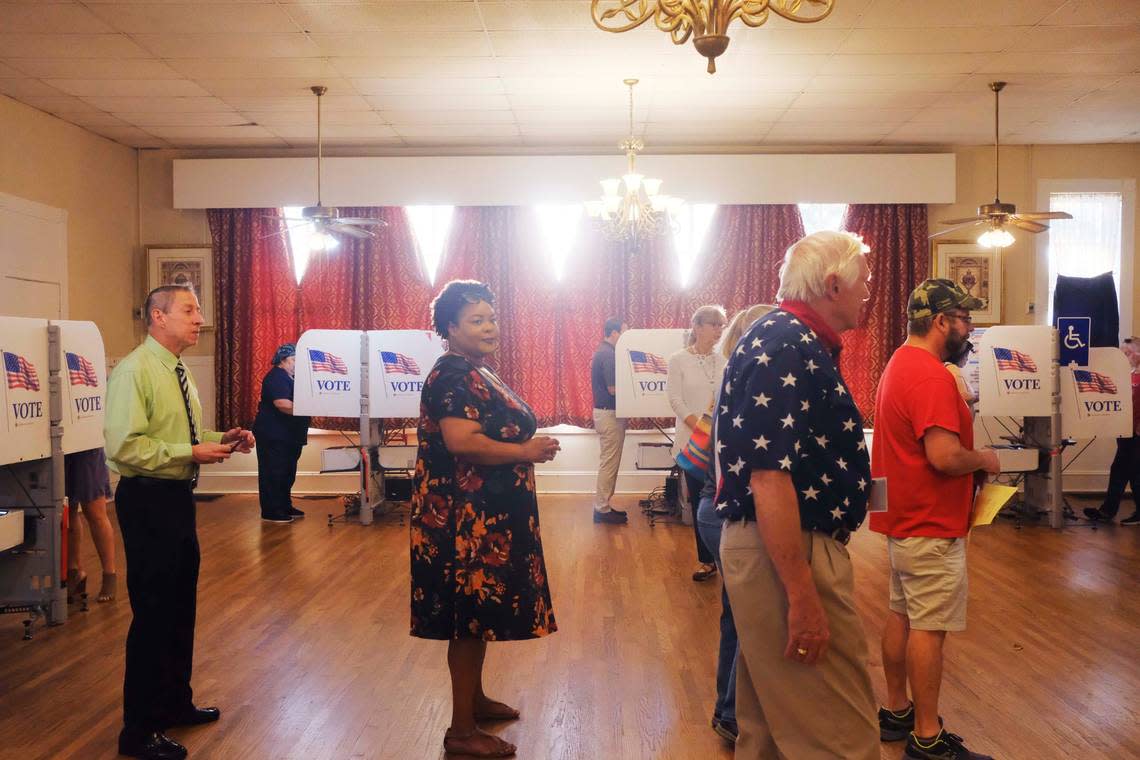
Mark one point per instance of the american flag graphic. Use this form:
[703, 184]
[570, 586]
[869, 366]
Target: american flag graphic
[643, 361]
[21, 372]
[323, 361]
[1014, 361]
[1093, 382]
[81, 371]
[398, 364]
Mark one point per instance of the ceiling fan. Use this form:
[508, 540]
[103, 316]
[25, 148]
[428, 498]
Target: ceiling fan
[326, 220]
[997, 215]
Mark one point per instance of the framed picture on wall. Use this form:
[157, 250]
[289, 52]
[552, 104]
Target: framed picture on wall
[184, 265]
[977, 270]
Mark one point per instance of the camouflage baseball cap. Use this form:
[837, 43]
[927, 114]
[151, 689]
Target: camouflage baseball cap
[937, 296]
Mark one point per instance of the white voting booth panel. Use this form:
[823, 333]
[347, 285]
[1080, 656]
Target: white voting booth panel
[398, 363]
[1016, 371]
[1097, 400]
[327, 375]
[83, 384]
[24, 392]
[641, 359]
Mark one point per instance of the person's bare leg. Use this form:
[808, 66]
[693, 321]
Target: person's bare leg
[485, 707]
[894, 660]
[924, 671]
[465, 662]
[103, 536]
[76, 578]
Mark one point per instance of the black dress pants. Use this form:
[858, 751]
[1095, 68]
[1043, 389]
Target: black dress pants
[276, 473]
[157, 520]
[694, 486]
[1125, 469]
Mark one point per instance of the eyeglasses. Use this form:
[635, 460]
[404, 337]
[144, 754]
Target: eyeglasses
[964, 317]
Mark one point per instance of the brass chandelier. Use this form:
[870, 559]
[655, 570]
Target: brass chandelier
[633, 206]
[708, 20]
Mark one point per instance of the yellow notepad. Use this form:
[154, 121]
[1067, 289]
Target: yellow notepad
[989, 502]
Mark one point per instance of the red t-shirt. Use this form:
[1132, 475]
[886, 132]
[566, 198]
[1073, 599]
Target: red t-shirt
[916, 393]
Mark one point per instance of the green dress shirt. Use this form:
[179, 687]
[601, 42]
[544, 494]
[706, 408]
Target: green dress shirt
[145, 426]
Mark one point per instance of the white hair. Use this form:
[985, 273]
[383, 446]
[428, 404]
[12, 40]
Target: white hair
[812, 259]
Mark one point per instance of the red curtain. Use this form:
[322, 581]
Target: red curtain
[255, 292]
[899, 259]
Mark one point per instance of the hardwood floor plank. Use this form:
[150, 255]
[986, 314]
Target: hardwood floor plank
[303, 641]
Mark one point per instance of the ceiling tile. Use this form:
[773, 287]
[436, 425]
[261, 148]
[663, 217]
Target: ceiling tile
[843, 99]
[194, 18]
[177, 133]
[411, 66]
[937, 40]
[895, 14]
[386, 16]
[158, 104]
[614, 120]
[372, 44]
[178, 88]
[899, 84]
[21, 88]
[909, 63]
[402, 86]
[421, 131]
[63, 104]
[440, 101]
[54, 18]
[147, 119]
[274, 87]
[254, 68]
[1081, 39]
[275, 119]
[560, 44]
[96, 68]
[228, 45]
[129, 136]
[1063, 63]
[262, 143]
[1079, 12]
[68, 46]
[792, 39]
[413, 117]
[519, 16]
[295, 133]
[305, 103]
[97, 119]
[7, 72]
[847, 115]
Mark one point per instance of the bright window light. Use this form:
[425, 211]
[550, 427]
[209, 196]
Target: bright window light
[822, 216]
[690, 223]
[558, 225]
[1088, 244]
[430, 225]
[303, 241]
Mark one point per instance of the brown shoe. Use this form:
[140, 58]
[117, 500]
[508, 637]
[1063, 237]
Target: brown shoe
[704, 572]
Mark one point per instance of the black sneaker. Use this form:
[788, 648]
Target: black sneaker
[726, 730]
[612, 516]
[945, 746]
[1095, 515]
[615, 510]
[296, 513]
[277, 518]
[895, 726]
[1132, 519]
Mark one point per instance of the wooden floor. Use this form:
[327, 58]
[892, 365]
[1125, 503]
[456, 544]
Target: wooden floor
[302, 641]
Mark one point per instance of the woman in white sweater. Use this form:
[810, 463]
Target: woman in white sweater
[694, 374]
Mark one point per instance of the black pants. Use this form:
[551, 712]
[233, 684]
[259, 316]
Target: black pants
[694, 486]
[1125, 469]
[160, 537]
[276, 473]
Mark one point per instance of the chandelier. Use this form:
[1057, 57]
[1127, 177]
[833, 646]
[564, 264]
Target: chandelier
[709, 19]
[633, 206]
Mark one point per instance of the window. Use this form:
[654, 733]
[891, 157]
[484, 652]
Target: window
[304, 241]
[822, 216]
[1096, 240]
[690, 223]
[558, 226]
[430, 225]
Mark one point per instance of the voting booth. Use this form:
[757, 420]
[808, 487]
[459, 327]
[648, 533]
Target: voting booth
[53, 395]
[370, 376]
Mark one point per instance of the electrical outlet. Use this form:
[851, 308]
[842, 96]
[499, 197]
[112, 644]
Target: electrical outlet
[1030, 307]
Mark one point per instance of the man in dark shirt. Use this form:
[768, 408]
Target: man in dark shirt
[795, 481]
[611, 430]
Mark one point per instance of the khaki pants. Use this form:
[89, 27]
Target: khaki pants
[611, 438]
[786, 710]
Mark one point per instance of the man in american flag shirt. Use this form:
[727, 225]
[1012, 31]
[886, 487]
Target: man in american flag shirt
[795, 481]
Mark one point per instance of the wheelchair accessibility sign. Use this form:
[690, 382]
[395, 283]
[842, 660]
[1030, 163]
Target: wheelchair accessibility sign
[1074, 334]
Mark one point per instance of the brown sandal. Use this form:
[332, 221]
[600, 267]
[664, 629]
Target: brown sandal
[76, 585]
[109, 588]
[451, 740]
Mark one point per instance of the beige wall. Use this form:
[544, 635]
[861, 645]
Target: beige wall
[1021, 168]
[49, 161]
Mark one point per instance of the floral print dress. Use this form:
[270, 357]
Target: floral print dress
[477, 565]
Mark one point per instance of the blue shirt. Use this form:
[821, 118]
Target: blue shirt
[784, 407]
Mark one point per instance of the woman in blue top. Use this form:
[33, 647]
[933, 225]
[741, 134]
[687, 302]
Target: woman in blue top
[280, 437]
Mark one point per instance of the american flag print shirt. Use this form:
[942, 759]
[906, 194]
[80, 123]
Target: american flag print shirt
[785, 407]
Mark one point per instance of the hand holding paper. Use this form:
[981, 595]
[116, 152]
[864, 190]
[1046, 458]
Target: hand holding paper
[989, 501]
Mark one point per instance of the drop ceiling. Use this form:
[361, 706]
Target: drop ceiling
[483, 75]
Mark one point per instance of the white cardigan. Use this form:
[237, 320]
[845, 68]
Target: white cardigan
[691, 389]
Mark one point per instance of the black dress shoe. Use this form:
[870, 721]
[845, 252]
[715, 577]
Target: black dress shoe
[195, 716]
[153, 746]
[296, 513]
[613, 516]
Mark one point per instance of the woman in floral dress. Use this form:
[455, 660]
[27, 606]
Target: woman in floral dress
[478, 573]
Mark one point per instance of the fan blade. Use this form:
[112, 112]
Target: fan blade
[361, 221]
[1025, 224]
[974, 223]
[1043, 215]
[979, 218]
[273, 235]
[351, 231]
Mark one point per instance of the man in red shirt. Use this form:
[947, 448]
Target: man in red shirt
[924, 447]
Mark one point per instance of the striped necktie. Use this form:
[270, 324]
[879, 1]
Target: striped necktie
[184, 384]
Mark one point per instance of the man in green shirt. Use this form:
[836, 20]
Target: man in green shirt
[156, 442]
